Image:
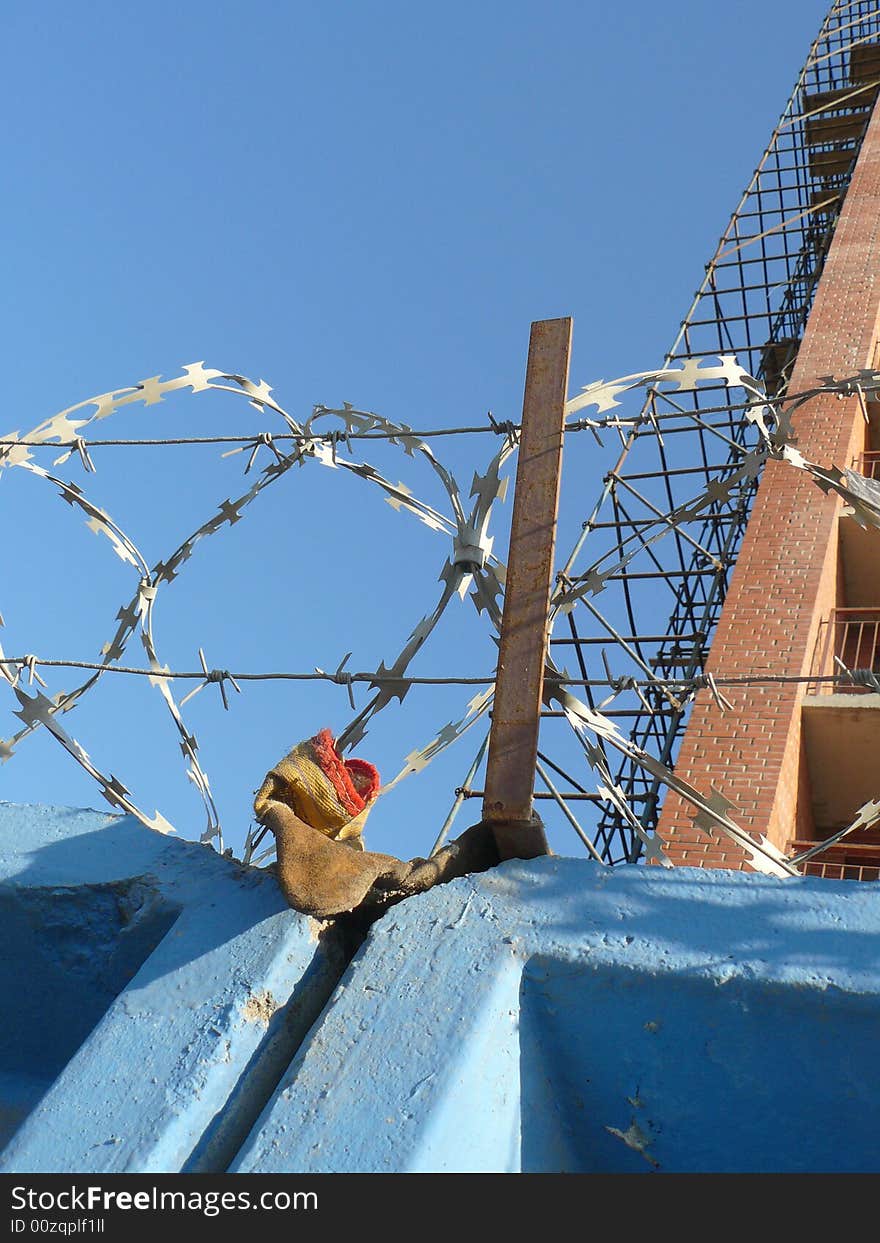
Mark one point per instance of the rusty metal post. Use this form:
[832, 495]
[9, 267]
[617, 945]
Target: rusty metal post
[516, 715]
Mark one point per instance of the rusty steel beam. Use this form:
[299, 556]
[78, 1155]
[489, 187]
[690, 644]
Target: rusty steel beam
[513, 743]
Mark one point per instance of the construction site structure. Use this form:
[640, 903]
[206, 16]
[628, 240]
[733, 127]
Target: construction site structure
[793, 291]
[798, 759]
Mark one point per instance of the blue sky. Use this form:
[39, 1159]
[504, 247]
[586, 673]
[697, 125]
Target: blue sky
[355, 202]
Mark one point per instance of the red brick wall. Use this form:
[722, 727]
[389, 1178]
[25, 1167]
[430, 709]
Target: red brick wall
[786, 576]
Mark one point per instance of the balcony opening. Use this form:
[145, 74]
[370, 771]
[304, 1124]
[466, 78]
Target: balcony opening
[841, 739]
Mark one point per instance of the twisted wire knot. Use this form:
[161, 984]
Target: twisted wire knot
[503, 427]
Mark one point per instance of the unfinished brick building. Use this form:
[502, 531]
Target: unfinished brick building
[761, 588]
[797, 759]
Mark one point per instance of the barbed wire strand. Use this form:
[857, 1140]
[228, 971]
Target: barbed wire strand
[376, 678]
[470, 562]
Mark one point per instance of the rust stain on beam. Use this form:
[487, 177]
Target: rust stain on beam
[513, 744]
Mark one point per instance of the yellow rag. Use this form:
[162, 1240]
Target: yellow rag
[329, 793]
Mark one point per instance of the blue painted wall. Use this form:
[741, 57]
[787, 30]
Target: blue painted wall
[558, 1016]
[165, 1011]
[154, 992]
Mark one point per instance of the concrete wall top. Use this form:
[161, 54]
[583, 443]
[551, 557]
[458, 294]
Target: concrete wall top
[167, 1012]
[155, 992]
[559, 1016]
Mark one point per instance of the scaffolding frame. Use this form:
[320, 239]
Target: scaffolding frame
[753, 303]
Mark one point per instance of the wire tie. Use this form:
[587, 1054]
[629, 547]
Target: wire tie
[343, 678]
[30, 663]
[849, 673]
[629, 683]
[721, 701]
[863, 403]
[82, 449]
[218, 676]
[333, 438]
[221, 677]
[264, 438]
[503, 427]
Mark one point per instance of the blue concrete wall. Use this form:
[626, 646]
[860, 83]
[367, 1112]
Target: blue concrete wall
[153, 992]
[166, 1012]
[557, 1016]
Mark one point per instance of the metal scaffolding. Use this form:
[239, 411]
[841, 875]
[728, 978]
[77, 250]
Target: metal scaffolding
[656, 614]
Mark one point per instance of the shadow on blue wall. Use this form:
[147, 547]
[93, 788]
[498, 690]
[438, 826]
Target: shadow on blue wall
[68, 953]
[219, 973]
[627, 1071]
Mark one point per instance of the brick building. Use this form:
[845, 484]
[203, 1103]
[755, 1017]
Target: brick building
[798, 758]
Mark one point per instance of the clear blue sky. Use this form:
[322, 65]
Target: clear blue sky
[363, 202]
